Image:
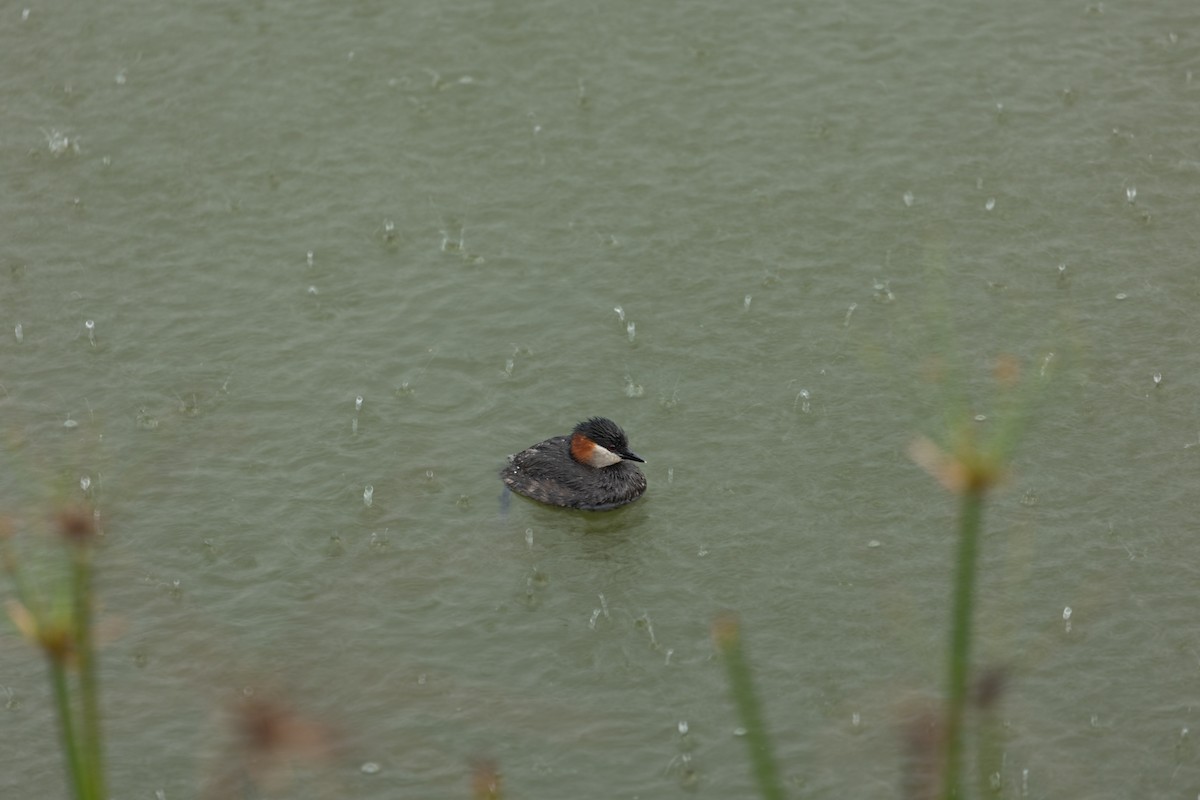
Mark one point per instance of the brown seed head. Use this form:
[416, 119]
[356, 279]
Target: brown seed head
[726, 631]
[76, 524]
[1007, 371]
[485, 780]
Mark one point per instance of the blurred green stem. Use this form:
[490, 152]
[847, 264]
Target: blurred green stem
[62, 698]
[960, 637]
[741, 683]
[89, 695]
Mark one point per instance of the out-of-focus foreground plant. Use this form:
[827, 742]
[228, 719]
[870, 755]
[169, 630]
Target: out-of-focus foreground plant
[55, 614]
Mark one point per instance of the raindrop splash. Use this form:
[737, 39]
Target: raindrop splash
[60, 143]
[19, 332]
[990, 204]
[631, 330]
[90, 325]
[909, 199]
[620, 313]
[1045, 364]
[746, 303]
[368, 495]
[1131, 194]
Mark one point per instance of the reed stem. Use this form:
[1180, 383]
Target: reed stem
[970, 521]
[88, 689]
[66, 726]
[741, 682]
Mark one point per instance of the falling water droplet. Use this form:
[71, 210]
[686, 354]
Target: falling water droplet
[908, 199]
[85, 483]
[990, 204]
[19, 332]
[682, 727]
[746, 303]
[368, 495]
[310, 258]
[358, 401]
[620, 313]
[631, 329]
[1131, 195]
[849, 313]
[1158, 379]
[508, 367]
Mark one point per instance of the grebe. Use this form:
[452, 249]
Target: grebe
[590, 469]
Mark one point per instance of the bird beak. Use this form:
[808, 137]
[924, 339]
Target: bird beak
[629, 455]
